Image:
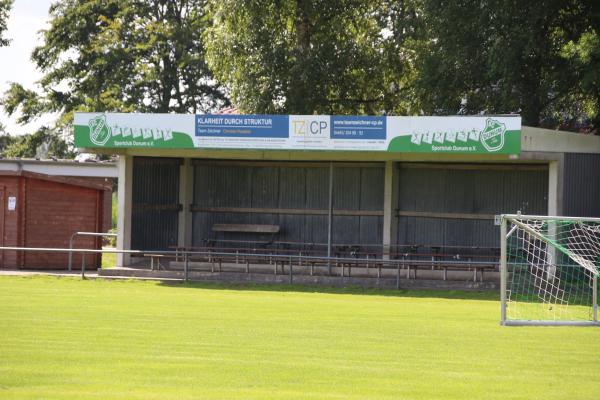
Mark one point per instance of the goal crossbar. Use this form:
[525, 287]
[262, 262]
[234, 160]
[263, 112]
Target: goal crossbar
[578, 259]
[549, 218]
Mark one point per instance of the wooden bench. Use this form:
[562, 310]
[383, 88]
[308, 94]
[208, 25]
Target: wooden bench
[249, 228]
[246, 228]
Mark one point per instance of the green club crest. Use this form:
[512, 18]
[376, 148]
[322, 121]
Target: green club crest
[492, 136]
[99, 130]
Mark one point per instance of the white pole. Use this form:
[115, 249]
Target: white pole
[595, 298]
[550, 217]
[503, 271]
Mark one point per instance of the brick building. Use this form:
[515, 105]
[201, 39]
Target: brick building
[44, 203]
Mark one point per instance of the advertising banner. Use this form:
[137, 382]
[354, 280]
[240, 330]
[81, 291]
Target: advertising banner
[475, 135]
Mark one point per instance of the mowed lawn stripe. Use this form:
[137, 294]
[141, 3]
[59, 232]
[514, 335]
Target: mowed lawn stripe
[62, 338]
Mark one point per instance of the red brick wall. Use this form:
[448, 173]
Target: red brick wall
[107, 202]
[46, 215]
[53, 212]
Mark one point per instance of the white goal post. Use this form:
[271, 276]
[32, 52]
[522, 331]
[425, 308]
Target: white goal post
[549, 270]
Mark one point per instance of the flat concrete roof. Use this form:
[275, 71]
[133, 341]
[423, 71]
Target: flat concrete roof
[105, 169]
[548, 140]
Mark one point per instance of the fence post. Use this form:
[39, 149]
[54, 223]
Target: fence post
[291, 273]
[397, 275]
[82, 265]
[71, 251]
[96, 234]
[185, 267]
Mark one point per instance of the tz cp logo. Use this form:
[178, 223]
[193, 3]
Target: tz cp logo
[310, 127]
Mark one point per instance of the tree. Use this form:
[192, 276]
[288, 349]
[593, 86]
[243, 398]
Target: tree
[310, 56]
[583, 56]
[5, 139]
[539, 59]
[500, 56]
[120, 55]
[5, 6]
[44, 143]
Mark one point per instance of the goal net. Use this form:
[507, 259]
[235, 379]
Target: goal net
[549, 269]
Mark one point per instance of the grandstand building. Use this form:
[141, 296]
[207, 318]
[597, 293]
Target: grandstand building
[342, 186]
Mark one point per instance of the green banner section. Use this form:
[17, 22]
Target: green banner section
[460, 135]
[177, 140]
[406, 144]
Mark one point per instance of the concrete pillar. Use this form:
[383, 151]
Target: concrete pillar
[186, 197]
[390, 196]
[554, 196]
[125, 185]
[555, 187]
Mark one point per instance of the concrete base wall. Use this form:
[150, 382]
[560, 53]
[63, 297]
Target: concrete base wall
[361, 277]
[348, 272]
[336, 281]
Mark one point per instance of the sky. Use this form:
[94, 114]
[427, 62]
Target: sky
[26, 19]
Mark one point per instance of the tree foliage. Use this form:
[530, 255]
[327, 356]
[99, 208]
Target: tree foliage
[504, 56]
[120, 55]
[5, 139]
[308, 56]
[44, 143]
[5, 6]
[539, 59]
[410, 57]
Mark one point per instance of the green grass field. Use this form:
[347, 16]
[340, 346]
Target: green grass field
[109, 260]
[62, 338]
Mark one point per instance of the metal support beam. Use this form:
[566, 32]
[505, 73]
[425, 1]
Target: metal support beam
[185, 267]
[186, 188]
[390, 193]
[330, 218]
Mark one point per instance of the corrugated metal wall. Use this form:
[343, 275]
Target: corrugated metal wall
[581, 187]
[294, 196]
[438, 204]
[358, 189]
[155, 203]
[454, 205]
